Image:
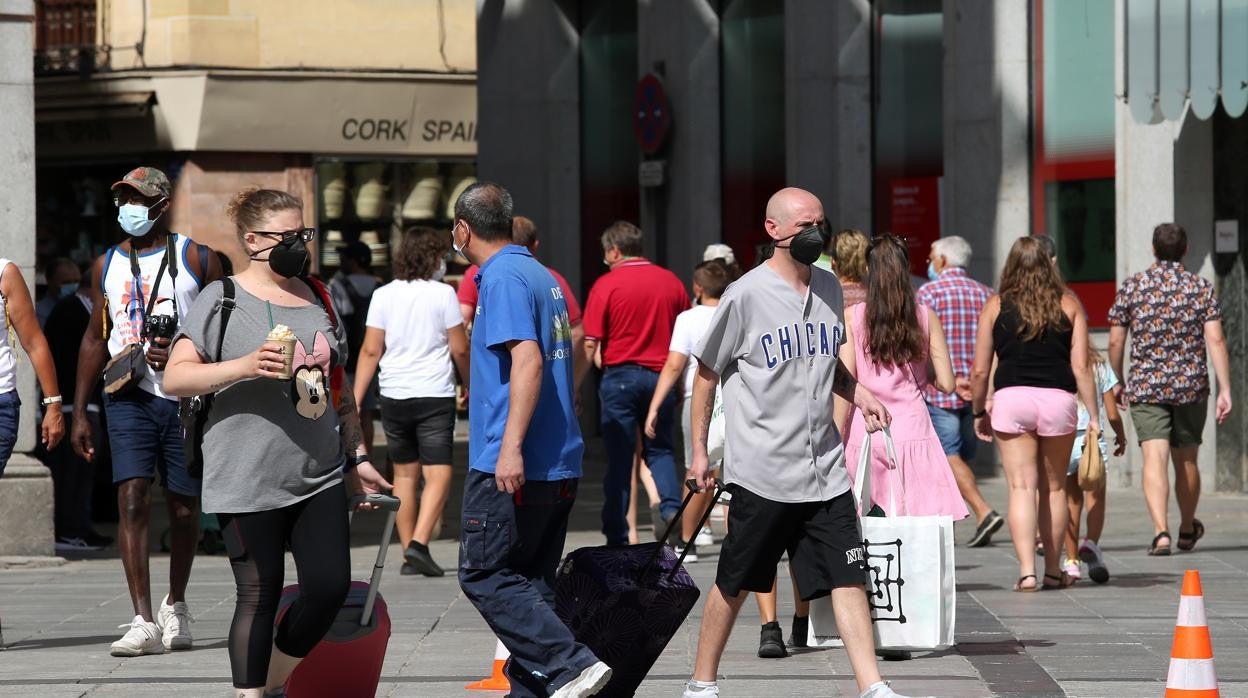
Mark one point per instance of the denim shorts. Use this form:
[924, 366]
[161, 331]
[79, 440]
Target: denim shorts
[956, 431]
[10, 408]
[146, 438]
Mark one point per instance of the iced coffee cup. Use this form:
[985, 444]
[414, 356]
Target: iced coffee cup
[281, 334]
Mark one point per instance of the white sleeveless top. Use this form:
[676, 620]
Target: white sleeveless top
[128, 301]
[8, 363]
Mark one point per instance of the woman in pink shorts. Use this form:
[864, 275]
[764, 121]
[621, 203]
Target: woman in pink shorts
[1039, 334]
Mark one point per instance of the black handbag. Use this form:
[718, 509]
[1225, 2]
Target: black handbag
[124, 372]
[193, 411]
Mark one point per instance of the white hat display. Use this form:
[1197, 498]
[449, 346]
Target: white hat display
[719, 251]
[423, 201]
[462, 177]
[380, 253]
[370, 191]
[334, 192]
[329, 247]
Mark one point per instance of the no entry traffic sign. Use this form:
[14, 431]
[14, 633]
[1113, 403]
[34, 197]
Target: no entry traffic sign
[652, 116]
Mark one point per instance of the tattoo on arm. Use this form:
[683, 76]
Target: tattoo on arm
[349, 418]
[843, 384]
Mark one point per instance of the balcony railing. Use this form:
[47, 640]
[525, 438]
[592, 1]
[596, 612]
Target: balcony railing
[65, 37]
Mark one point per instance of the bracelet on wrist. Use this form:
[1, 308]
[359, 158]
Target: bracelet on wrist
[353, 462]
[52, 399]
[977, 415]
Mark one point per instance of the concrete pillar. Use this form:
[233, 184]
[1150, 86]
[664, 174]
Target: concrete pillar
[26, 488]
[827, 53]
[986, 190]
[528, 120]
[679, 41]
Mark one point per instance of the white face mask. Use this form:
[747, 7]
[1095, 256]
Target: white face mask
[440, 272]
[459, 249]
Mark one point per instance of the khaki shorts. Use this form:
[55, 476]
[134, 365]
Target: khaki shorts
[1181, 425]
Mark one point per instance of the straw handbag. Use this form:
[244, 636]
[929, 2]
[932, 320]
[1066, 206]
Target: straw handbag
[1091, 464]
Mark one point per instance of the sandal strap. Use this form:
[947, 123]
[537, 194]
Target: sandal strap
[1163, 534]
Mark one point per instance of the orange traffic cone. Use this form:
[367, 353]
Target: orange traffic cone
[1191, 656]
[497, 680]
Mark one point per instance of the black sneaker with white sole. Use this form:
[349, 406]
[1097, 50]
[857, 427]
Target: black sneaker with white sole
[983, 534]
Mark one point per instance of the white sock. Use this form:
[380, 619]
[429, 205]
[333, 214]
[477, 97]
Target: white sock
[695, 684]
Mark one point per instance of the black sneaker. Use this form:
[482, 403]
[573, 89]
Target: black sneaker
[983, 534]
[801, 629]
[418, 561]
[771, 642]
[894, 655]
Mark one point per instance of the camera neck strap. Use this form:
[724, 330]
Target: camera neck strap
[137, 272]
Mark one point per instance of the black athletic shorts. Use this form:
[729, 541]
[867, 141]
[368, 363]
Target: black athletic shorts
[419, 429]
[822, 540]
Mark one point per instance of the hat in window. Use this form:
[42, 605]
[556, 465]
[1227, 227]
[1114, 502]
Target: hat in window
[148, 181]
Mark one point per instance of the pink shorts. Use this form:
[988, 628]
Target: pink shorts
[1045, 411]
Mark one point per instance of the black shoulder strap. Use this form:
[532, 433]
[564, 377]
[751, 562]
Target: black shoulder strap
[160, 274]
[227, 308]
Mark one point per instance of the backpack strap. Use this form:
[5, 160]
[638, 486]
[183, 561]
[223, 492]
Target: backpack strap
[227, 308]
[322, 294]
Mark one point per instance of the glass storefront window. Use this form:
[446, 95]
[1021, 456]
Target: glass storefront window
[909, 123]
[609, 154]
[752, 87]
[373, 201]
[1073, 159]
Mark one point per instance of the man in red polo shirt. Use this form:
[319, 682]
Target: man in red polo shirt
[631, 312]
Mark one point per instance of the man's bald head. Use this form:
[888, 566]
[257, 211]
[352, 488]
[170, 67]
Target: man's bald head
[790, 210]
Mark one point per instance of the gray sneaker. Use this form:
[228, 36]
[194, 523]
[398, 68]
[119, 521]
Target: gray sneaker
[588, 683]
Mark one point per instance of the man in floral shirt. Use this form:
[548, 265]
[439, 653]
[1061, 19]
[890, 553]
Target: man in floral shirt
[1172, 316]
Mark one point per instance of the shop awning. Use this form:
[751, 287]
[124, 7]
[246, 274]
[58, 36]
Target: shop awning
[1185, 51]
[94, 105]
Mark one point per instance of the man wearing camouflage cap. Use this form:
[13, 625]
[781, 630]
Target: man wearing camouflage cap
[140, 289]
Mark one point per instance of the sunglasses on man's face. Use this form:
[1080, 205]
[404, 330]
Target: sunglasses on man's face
[305, 234]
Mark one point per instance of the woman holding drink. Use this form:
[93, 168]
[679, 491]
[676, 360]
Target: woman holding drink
[278, 443]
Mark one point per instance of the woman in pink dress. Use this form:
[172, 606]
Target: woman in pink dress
[894, 346]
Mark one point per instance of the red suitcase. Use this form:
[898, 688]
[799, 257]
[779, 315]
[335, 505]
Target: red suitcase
[347, 662]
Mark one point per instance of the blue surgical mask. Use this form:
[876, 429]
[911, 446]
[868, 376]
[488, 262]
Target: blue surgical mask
[68, 289]
[134, 220]
[931, 271]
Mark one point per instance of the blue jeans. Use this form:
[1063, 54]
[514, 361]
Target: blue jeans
[509, 550]
[956, 430]
[10, 408]
[625, 394]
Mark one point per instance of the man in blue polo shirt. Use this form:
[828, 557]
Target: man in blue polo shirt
[524, 453]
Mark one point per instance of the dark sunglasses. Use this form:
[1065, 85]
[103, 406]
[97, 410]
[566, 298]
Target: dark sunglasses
[305, 234]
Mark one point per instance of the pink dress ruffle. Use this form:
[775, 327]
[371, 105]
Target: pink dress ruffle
[923, 479]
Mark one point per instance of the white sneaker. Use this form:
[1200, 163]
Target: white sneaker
[587, 684]
[708, 690]
[704, 537]
[174, 621]
[141, 638]
[881, 689]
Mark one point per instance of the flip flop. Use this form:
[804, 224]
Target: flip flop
[1187, 541]
[1156, 550]
[1018, 586]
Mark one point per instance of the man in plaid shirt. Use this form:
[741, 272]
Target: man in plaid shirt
[957, 300]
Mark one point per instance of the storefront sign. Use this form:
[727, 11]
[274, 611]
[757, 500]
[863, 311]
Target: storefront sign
[914, 213]
[1226, 237]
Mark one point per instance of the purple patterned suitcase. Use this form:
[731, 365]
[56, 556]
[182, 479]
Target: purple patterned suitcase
[625, 602]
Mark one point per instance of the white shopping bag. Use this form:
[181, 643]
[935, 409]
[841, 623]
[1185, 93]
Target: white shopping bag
[910, 572]
[715, 430]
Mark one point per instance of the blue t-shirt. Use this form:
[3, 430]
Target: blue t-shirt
[520, 300]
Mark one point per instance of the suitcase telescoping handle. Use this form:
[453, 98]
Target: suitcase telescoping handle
[391, 506]
[717, 489]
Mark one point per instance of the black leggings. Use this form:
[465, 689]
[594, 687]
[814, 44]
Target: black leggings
[317, 531]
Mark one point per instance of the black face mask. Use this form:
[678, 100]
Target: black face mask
[808, 243]
[289, 258]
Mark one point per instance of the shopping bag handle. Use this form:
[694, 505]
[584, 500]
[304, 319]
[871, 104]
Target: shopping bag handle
[862, 478]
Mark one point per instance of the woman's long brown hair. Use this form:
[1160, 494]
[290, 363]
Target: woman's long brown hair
[894, 337]
[1031, 284]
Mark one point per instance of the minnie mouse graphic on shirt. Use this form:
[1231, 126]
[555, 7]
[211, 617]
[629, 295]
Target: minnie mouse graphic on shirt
[309, 382]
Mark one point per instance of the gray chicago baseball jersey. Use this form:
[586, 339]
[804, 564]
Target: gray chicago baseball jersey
[775, 353]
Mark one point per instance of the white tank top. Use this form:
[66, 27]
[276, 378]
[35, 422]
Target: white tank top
[8, 363]
[128, 300]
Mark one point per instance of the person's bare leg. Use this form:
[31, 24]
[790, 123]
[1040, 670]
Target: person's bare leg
[281, 666]
[1157, 483]
[693, 514]
[406, 479]
[134, 502]
[1186, 484]
[1074, 503]
[183, 540]
[968, 487]
[1019, 459]
[853, 622]
[801, 608]
[1096, 501]
[717, 619]
[631, 516]
[432, 500]
[1054, 514]
[767, 605]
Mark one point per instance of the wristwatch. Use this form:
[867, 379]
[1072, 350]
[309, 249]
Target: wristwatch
[51, 400]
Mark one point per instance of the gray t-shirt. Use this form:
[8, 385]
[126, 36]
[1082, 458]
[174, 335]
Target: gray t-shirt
[268, 443]
[775, 353]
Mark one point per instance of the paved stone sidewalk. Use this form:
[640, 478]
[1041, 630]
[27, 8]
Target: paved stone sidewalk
[1090, 640]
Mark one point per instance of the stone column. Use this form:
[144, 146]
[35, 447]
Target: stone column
[679, 41]
[827, 53]
[528, 118]
[26, 488]
[987, 176]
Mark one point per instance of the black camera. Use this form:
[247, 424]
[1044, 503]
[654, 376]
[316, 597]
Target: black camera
[160, 326]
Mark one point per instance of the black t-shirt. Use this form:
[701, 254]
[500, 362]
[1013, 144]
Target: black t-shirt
[64, 329]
